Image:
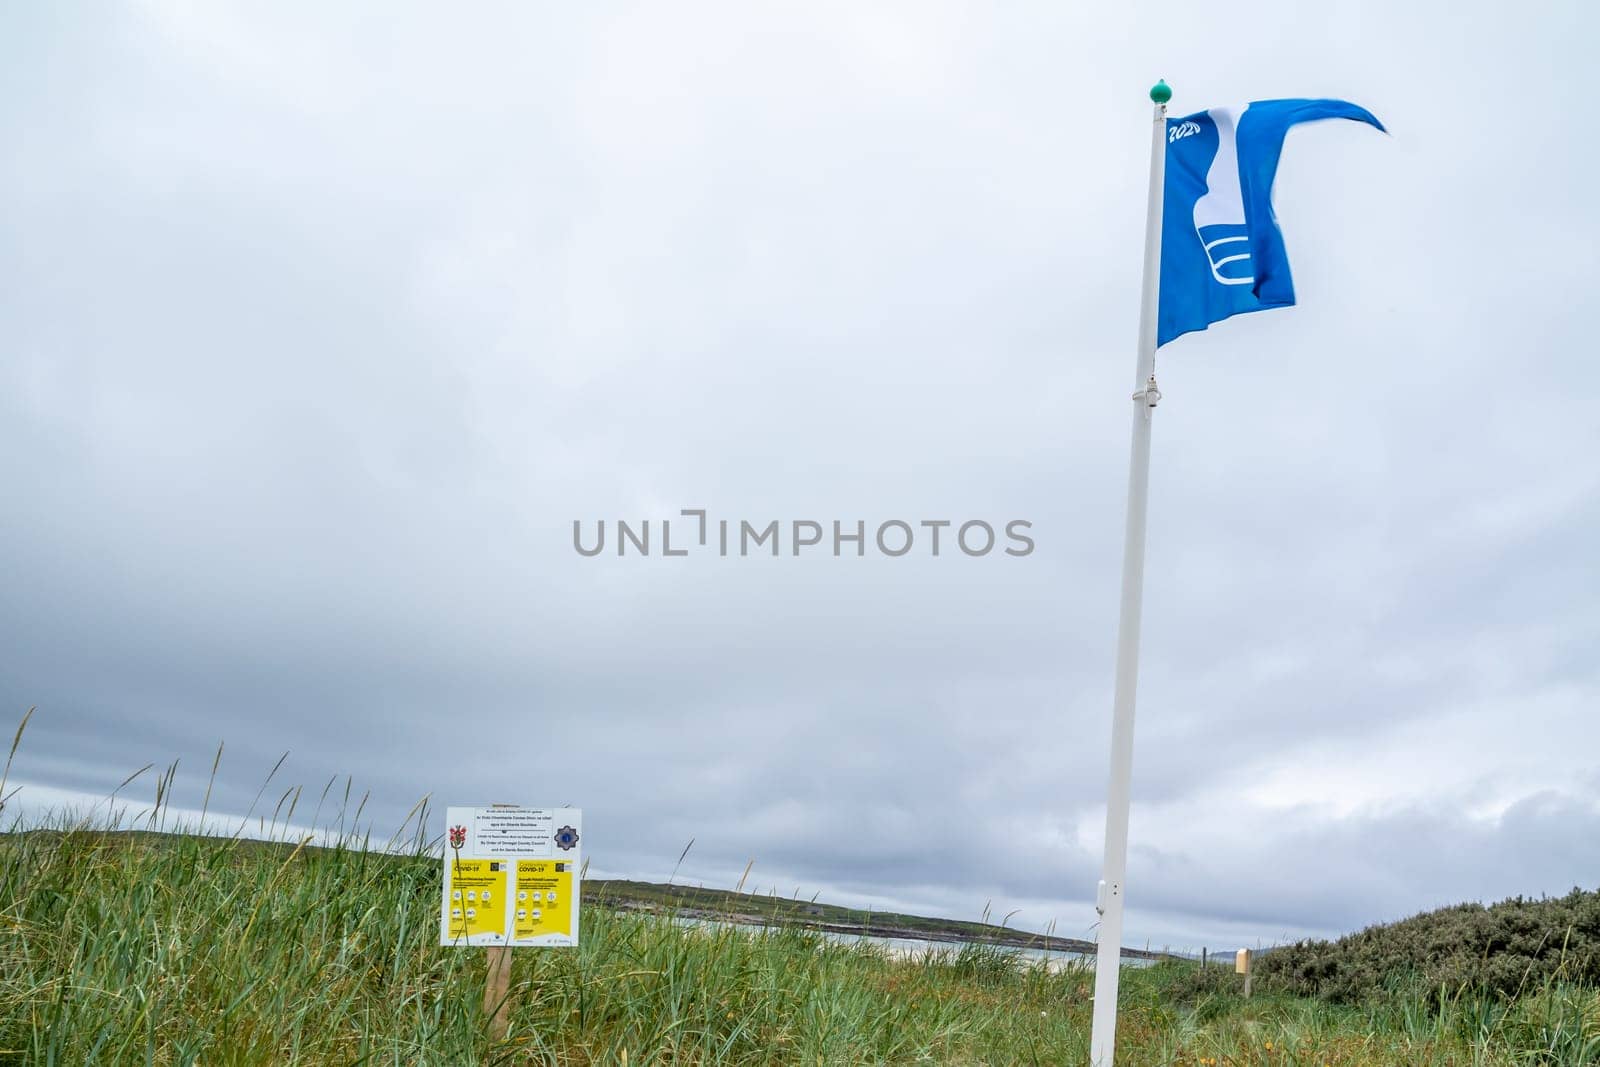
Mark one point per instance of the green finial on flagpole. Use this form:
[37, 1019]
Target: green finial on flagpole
[1161, 92]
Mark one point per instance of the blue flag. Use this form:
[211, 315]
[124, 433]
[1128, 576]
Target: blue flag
[1221, 251]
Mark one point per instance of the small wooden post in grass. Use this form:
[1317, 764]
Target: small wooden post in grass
[497, 990]
[1241, 965]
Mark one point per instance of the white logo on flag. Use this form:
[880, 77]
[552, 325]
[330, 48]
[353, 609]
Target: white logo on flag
[1219, 214]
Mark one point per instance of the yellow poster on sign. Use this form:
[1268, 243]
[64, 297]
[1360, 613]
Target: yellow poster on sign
[543, 903]
[476, 903]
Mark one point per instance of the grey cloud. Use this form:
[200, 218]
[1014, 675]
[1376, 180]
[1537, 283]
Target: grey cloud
[314, 353]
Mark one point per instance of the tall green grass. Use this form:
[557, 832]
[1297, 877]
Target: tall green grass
[126, 948]
[123, 946]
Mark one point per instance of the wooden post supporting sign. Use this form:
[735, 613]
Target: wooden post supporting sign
[497, 990]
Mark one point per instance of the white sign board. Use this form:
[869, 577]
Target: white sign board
[511, 876]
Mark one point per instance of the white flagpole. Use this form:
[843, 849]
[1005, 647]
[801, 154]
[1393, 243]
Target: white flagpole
[1109, 898]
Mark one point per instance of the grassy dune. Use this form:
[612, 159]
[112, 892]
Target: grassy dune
[125, 947]
[120, 948]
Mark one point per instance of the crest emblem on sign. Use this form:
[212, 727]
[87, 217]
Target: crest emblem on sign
[566, 839]
[458, 836]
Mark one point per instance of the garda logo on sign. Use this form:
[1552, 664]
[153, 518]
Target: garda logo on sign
[1186, 128]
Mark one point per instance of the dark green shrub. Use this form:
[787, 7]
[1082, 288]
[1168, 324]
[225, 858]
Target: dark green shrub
[1502, 949]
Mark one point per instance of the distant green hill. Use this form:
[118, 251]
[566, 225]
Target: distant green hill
[694, 902]
[1504, 948]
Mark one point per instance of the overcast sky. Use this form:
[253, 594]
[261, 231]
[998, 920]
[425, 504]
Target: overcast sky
[321, 326]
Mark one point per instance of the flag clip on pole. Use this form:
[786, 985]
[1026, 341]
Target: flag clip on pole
[1109, 897]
